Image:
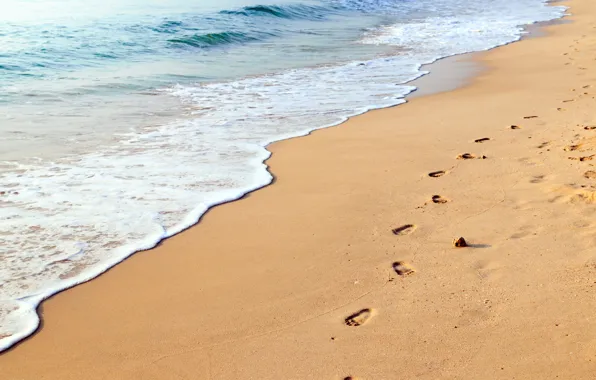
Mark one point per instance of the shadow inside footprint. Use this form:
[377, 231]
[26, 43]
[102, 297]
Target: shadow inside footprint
[482, 140]
[466, 156]
[572, 148]
[590, 174]
[439, 199]
[437, 174]
[402, 269]
[530, 117]
[406, 229]
[359, 318]
[515, 127]
[582, 159]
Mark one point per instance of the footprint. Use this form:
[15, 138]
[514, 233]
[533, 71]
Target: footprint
[402, 269]
[571, 148]
[585, 158]
[482, 140]
[537, 179]
[590, 127]
[515, 127]
[543, 145]
[406, 229]
[439, 199]
[519, 235]
[359, 318]
[529, 161]
[567, 101]
[437, 174]
[466, 156]
[530, 117]
[590, 174]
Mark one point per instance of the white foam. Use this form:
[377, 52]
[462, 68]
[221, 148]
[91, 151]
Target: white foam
[72, 220]
[68, 221]
[463, 32]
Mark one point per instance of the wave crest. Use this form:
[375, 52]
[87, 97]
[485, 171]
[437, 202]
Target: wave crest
[298, 11]
[214, 39]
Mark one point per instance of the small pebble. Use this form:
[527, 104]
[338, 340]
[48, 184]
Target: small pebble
[459, 243]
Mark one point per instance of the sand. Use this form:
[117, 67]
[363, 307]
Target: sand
[306, 279]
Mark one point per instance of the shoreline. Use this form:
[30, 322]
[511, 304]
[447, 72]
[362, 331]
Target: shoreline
[339, 184]
[442, 75]
[446, 74]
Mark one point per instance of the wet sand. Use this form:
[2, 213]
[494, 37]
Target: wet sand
[345, 267]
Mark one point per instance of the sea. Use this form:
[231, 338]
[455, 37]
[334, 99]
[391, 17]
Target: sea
[123, 121]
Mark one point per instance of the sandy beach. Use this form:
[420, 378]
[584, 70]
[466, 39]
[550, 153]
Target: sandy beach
[345, 267]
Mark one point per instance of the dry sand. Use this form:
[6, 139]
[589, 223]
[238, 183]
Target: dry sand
[305, 279]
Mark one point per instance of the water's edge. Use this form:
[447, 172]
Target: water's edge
[443, 75]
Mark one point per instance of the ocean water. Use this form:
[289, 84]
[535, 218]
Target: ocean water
[122, 122]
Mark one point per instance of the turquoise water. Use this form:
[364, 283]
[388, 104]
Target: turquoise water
[137, 45]
[68, 67]
[122, 122]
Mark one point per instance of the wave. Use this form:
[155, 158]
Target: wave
[252, 33]
[297, 11]
[168, 26]
[8, 67]
[215, 39]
